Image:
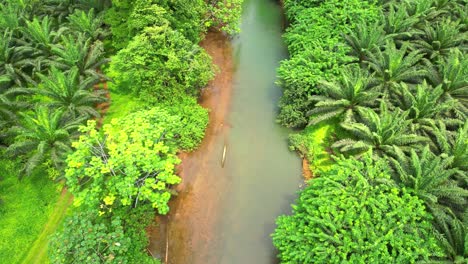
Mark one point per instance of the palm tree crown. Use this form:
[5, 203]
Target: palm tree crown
[343, 97]
[66, 93]
[44, 135]
[381, 133]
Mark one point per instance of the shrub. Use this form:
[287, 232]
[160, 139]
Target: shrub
[160, 64]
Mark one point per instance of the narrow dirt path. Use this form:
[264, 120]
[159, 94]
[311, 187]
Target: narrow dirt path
[192, 221]
[38, 251]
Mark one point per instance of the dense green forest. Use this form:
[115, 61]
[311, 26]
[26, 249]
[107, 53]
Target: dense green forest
[379, 90]
[62, 63]
[98, 98]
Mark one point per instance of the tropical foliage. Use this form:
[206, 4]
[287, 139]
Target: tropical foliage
[160, 64]
[352, 214]
[132, 161]
[119, 239]
[55, 59]
[396, 88]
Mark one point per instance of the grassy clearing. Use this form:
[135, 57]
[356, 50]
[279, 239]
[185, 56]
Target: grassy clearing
[38, 252]
[121, 105]
[25, 209]
[314, 142]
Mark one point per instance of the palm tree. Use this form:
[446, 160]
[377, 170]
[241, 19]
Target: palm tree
[425, 10]
[452, 75]
[40, 35]
[431, 179]
[453, 238]
[87, 23]
[10, 16]
[453, 144]
[460, 12]
[13, 60]
[81, 53]
[9, 105]
[344, 97]
[398, 24]
[439, 39]
[67, 93]
[393, 66]
[381, 133]
[98, 5]
[364, 39]
[43, 136]
[424, 105]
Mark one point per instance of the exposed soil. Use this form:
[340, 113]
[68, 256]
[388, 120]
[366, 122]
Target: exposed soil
[103, 107]
[192, 221]
[306, 172]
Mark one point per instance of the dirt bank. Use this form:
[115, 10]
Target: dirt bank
[192, 221]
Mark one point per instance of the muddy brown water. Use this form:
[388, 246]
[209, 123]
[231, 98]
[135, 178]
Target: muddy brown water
[226, 214]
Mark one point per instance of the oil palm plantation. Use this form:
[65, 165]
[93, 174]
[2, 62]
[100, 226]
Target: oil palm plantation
[67, 93]
[343, 97]
[379, 132]
[43, 136]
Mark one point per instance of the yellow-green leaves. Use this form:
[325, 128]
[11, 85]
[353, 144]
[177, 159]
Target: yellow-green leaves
[129, 163]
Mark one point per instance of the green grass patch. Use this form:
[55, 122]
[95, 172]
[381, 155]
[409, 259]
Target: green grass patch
[314, 142]
[38, 252]
[25, 208]
[121, 105]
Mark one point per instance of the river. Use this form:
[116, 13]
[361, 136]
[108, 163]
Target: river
[226, 214]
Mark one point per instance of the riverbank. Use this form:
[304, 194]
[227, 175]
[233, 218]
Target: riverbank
[191, 222]
[226, 214]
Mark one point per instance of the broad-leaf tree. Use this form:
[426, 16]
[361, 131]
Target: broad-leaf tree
[130, 163]
[87, 237]
[160, 64]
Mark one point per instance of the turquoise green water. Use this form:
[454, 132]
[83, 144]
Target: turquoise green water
[264, 174]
